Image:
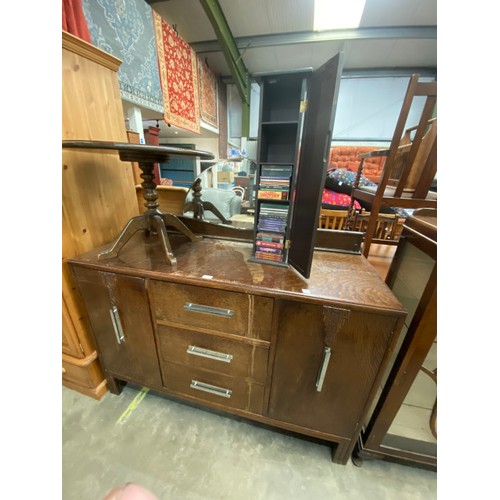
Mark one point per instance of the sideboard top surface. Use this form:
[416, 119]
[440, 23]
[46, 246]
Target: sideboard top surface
[215, 263]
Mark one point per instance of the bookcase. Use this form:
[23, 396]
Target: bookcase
[297, 111]
[280, 128]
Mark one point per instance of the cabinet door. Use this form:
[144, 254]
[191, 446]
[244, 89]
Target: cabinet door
[314, 153]
[327, 360]
[118, 309]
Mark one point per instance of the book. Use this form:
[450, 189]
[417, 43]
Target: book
[273, 237]
[264, 256]
[276, 251]
[269, 244]
[273, 194]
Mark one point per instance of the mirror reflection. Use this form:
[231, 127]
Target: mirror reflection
[224, 194]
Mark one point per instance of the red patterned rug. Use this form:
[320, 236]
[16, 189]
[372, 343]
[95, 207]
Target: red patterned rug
[177, 63]
[208, 94]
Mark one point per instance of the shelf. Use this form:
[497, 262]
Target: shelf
[279, 133]
[281, 98]
[265, 261]
[280, 122]
[278, 143]
[277, 163]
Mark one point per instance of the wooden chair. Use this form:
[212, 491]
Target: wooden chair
[170, 198]
[240, 191]
[332, 219]
[410, 165]
[388, 228]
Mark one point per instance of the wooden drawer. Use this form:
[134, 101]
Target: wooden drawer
[210, 387]
[196, 306]
[210, 352]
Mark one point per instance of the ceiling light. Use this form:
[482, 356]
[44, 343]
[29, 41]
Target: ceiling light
[337, 14]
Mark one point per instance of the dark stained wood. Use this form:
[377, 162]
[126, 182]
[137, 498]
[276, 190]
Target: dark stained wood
[338, 240]
[420, 230]
[137, 152]
[248, 361]
[311, 171]
[262, 317]
[245, 395]
[169, 302]
[136, 356]
[358, 346]
[344, 279]
[279, 326]
[152, 221]
[219, 231]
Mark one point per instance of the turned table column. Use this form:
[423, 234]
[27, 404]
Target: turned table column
[153, 221]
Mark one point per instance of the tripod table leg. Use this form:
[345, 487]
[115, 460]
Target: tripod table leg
[134, 224]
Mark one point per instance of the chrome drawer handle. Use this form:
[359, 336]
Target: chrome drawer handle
[327, 352]
[212, 389]
[117, 324]
[207, 353]
[216, 311]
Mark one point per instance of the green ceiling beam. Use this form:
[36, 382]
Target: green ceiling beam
[232, 56]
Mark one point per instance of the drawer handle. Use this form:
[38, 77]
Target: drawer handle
[207, 353]
[327, 352]
[212, 389]
[216, 311]
[117, 324]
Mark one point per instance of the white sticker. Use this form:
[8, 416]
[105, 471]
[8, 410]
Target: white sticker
[307, 292]
[207, 277]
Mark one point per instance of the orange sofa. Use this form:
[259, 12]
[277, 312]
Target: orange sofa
[347, 157]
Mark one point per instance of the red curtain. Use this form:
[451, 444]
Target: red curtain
[73, 19]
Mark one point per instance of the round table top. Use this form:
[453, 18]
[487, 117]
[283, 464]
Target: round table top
[137, 152]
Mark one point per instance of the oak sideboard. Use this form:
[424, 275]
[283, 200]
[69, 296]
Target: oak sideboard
[244, 338]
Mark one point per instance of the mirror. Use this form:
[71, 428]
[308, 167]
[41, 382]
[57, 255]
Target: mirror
[224, 194]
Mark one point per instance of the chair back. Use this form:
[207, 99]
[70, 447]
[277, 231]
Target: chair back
[332, 219]
[411, 164]
[239, 190]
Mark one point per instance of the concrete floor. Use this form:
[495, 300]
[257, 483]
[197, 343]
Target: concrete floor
[183, 453]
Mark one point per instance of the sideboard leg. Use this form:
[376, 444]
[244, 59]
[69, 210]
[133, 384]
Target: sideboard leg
[339, 453]
[113, 385]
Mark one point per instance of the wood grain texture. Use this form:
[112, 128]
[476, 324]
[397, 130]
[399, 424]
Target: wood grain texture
[248, 361]
[135, 357]
[98, 194]
[280, 325]
[87, 380]
[169, 301]
[245, 395]
[88, 51]
[357, 351]
[344, 279]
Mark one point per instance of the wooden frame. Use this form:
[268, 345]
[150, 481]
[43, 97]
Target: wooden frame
[419, 231]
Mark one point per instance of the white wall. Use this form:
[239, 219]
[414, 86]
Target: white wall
[202, 143]
[368, 109]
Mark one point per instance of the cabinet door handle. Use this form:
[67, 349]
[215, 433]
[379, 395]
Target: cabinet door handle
[216, 311]
[117, 324]
[207, 353]
[327, 352]
[212, 389]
